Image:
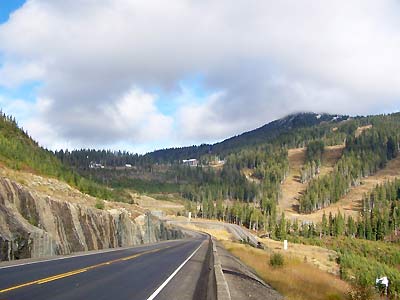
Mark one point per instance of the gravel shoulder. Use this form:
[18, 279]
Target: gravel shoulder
[241, 280]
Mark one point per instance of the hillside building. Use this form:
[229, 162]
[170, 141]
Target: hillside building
[190, 162]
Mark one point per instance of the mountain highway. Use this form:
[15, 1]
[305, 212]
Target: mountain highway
[167, 270]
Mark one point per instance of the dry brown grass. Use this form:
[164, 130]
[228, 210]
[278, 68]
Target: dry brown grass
[248, 173]
[146, 202]
[330, 157]
[292, 187]
[219, 234]
[296, 280]
[322, 258]
[361, 129]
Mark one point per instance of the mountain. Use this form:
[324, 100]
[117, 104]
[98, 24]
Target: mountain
[254, 137]
[273, 129]
[292, 129]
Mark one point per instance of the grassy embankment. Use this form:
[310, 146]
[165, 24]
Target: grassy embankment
[309, 272]
[297, 279]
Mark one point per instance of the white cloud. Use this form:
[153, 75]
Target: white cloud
[17, 107]
[132, 119]
[269, 58]
[199, 120]
[14, 74]
[28, 116]
[136, 117]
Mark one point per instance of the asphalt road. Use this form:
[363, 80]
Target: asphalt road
[168, 270]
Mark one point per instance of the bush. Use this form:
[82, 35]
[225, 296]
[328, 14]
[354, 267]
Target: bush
[334, 297]
[360, 292]
[99, 204]
[276, 260]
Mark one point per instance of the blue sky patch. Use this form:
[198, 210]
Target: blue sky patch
[191, 91]
[26, 92]
[7, 7]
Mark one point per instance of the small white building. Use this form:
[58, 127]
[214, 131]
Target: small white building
[128, 166]
[190, 162]
[94, 165]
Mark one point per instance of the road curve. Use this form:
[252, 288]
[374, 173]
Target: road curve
[168, 270]
[238, 232]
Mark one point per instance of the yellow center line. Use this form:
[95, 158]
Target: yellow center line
[41, 281]
[130, 257]
[78, 271]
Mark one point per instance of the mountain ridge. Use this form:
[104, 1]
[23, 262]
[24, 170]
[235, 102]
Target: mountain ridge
[261, 134]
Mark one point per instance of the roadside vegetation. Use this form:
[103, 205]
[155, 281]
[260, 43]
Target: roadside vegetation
[361, 261]
[295, 279]
[276, 260]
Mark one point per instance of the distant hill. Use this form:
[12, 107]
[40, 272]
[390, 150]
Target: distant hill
[273, 129]
[254, 137]
[289, 131]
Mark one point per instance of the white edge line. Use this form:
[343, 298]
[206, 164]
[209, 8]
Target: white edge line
[52, 259]
[157, 291]
[103, 251]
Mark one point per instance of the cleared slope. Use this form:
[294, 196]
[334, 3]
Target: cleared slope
[292, 187]
[350, 204]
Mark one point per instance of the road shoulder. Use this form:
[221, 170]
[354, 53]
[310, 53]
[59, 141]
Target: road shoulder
[241, 280]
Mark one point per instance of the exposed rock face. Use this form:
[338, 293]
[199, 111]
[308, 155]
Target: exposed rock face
[35, 226]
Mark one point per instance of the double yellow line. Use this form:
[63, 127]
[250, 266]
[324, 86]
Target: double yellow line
[78, 271]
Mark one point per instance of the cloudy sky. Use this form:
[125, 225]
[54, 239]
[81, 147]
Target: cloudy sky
[140, 75]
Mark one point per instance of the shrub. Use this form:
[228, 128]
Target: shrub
[360, 292]
[276, 260]
[334, 297]
[99, 204]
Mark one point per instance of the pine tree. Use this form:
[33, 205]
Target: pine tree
[324, 225]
